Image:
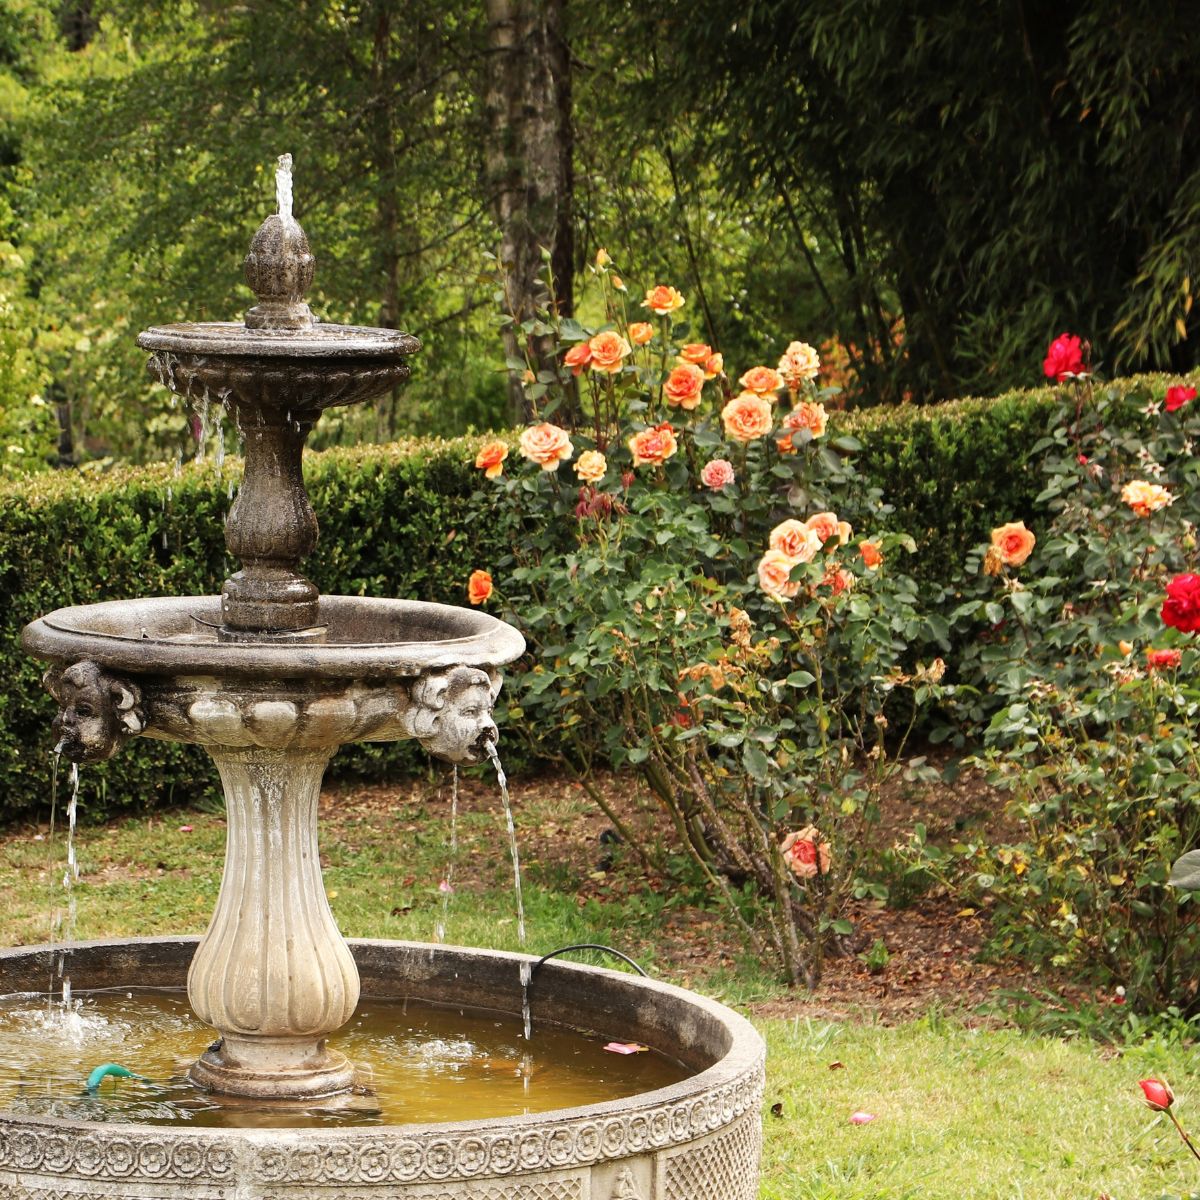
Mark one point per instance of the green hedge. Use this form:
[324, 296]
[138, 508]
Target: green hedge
[395, 521]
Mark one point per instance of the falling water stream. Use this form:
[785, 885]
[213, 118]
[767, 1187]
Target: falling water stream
[447, 884]
[502, 780]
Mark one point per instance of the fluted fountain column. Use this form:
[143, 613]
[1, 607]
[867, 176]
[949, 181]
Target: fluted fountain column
[272, 974]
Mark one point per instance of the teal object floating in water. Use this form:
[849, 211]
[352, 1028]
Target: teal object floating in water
[105, 1069]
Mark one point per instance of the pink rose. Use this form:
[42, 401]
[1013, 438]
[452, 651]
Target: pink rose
[717, 474]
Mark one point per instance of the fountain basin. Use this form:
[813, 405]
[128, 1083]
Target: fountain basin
[699, 1139]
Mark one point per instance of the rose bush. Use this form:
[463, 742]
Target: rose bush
[714, 623]
[1067, 660]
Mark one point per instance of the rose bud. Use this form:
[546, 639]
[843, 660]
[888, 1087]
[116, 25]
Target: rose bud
[1158, 1096]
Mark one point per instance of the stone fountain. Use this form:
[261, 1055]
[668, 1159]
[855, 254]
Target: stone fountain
[272, 678]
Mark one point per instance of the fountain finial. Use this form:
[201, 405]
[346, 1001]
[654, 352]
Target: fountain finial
[279, 267]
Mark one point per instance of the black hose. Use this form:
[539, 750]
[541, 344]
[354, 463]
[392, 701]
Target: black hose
[586, 946]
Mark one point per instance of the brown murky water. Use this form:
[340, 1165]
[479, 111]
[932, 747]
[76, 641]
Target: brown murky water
[429, 1063]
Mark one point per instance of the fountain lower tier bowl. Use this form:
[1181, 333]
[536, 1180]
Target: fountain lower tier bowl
[698, 1139]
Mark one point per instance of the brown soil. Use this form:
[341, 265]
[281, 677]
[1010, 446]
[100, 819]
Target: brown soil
[934, 946]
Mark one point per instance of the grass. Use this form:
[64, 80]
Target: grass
[980, 1113]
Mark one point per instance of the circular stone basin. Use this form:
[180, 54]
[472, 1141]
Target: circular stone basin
[364, 638]
[699, 1139]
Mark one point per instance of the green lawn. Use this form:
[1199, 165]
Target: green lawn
[960, 1112]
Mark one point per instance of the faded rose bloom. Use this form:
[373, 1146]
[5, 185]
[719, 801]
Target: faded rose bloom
[1178, 396]
[490, 459]
[683, 386]
[800, 364]
[806, 852]
[717, 474]
[593, 504]
[796, 540]
[1181, 608]
[774, 575]
[1064, 358]
[805, 415]
[608, 350]
[872, 556]
[695, 352]
[993, 563]
[578, 358]
[1158, 1095]
[546, 444]
[1013, 544]
[663, 300]
[747, 417]
[640, 332]
[762, 381]
[1146, 498]
[653, 446]
[713, 365]
[479, 587]
[838, 580]
[1163, 660]
[591, 466]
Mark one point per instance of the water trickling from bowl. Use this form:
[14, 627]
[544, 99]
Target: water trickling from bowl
[452, 859]
[502, 780]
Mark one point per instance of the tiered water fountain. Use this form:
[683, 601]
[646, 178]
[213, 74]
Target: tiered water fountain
[271, 678]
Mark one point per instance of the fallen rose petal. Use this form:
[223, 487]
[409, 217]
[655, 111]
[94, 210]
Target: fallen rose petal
[446, 887]
[626, 1048]
[861, 1118]
[185, 828]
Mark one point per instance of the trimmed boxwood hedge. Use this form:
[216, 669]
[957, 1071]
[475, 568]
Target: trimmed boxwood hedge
[395, 521]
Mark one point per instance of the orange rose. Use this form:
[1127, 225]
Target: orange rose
[762, 381]
[546, 445]
[683, 386]
[1013, 543]
[826, 524]
[653, 446]
[663, 300]
[591, 466]
[796, 540]
[872, 556]
[774, 572]
[608, 349]
[578, 358]
[713, 366]
[812, 417]
[490, 459]
[747, 417]
[695, 352]
[479, 587]
[640, 332]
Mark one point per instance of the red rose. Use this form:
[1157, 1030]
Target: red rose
[1178, 396]
[1181, 608]
[1158, 1095]
[1163, 660]
[1064, 357]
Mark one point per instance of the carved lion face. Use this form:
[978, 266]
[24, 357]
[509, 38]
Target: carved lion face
[97, 712]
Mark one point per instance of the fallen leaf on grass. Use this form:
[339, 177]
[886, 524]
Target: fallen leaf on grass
[837, 1066]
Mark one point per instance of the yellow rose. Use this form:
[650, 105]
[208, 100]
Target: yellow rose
[591, 466]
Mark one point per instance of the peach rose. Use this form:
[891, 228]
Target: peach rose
[617, 282]
[872, 556]
[713, 365]
[774, 572]
[838, 580]
[490, 459]
[479, 587]
[806, 852]
[663, 300]
[826, 524]
[590, 466]
[695, 352]
[1013, 543]
[717, 474]
[578, 358]
[796, 540]
[608, 349]
[763, 381]
[653, 446]
[640, 332]
[683, 386]
[799, 364]
[546, 445]
[1146, 498]
[747, 417]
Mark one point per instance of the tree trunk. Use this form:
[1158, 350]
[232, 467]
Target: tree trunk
[527, 162]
